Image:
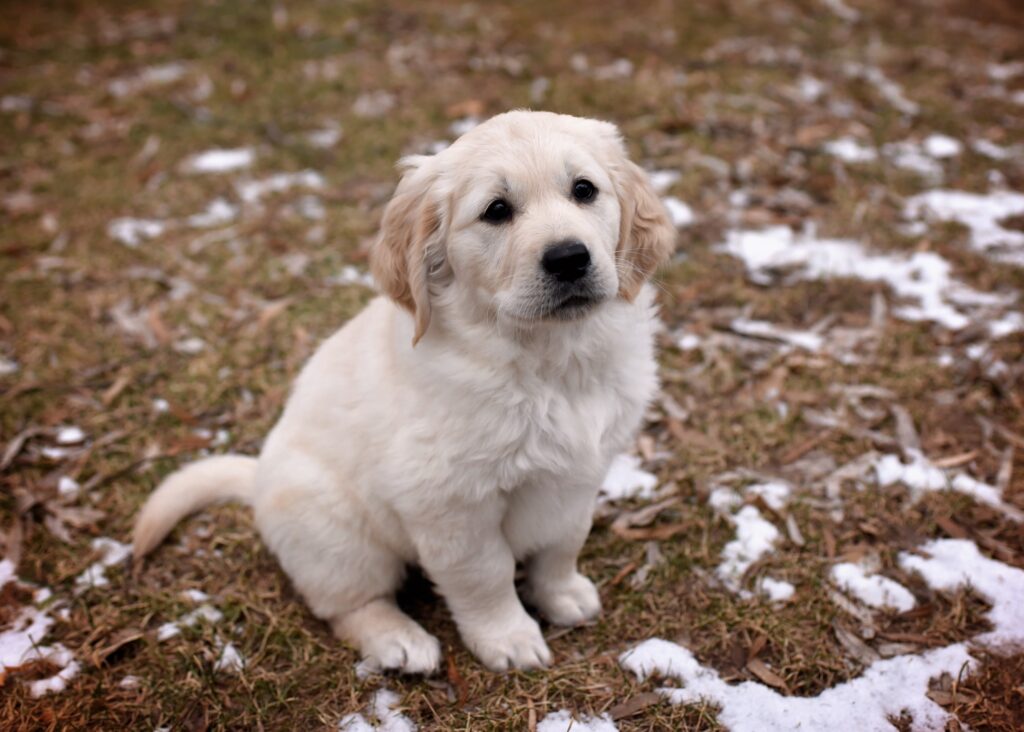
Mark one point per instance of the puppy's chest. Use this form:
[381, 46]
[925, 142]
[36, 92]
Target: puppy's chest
[549, 430]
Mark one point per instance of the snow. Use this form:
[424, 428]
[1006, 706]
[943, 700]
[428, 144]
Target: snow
[230, 660]
[8, 366]
[252, 191]
[886, 87]
[662, 180]
[912, 156]
[923, 279]
[350, 275]
[1009, 323]
[755, 537]
[193, 595]
[678, 212]
[872, 589]
[564, 721]
[991, 150]
[950, 564]
[217, 213]
[626, 479]
[763, 329]
[886, 689]
[942, 146]
[776, 590]
[461, 126]
[70, 435]
[688, 341]
[132, 232]
[112, 552]
[205, 612]
[382, 709]
[842, 10]
[850, 151]
[220, 161]
[921, 475]
[68, 487]
[981, 214]
[811, 88]
[147, 78]
[22, 637]
[324, 138]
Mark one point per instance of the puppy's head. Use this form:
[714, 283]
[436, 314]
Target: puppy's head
[529, 217]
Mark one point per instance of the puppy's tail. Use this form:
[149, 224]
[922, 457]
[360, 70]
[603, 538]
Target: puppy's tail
[194, 487]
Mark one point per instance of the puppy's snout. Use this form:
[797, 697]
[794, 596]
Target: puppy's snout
[566, 261]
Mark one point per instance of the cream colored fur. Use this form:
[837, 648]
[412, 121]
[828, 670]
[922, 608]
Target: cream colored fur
[454, 424]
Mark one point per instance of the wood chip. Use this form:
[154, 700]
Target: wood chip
[955, 461]
[457, 681]
[793, 530]
[857, 648]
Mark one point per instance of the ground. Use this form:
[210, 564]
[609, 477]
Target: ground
[831, 388]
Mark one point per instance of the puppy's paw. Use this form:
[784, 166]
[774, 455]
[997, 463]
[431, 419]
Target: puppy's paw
[409, 650]
[520, 646]
[567, 603]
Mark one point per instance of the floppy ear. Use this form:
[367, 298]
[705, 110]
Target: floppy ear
[646, 235]
[410, 235]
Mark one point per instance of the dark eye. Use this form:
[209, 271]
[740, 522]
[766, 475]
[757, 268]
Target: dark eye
[583, 190]
[497, 212]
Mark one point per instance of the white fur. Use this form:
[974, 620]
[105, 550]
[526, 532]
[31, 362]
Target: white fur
[483, 444]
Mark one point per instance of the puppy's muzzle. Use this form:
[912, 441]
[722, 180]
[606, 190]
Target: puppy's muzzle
[566, 261]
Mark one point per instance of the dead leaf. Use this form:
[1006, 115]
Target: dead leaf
[457, 681]
[119, 640]
[634, 705]
[766, 675]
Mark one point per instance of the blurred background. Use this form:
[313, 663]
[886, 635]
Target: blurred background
[188, 191]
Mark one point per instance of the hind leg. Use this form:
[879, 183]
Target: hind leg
[346, 576]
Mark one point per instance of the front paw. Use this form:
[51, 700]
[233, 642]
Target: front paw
[519, 646]
[572, 602]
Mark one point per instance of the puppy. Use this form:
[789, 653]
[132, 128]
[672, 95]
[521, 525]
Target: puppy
[465, 420]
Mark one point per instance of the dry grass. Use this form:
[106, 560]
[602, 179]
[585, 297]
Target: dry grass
[708, 79]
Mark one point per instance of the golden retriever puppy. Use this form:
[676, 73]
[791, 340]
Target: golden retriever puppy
[466, 419]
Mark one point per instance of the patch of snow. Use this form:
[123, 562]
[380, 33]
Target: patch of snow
[220, 161]
[382, 710]
[621, 68]
[886, 689]
[564, 721]
[626, 479]
[842, 10]
[311, 207]
[922, 278]
[14, 103]
[68, 487]
[872, 589]
[981, 214]
[8, 366]
[1008, 324]
[324, 138]
[147, 78]
[205, 612]
[132, 232]
[217, 213]
[942, 146]
[1005, 72]
[849, 150]
[776, 590]
[371, 105]
[193, 595]
[112, 552]
[130, 682]
[230, 660]
[679, 212]
[252, 191]
[70, 435]
[190, 346]
[755, 537]
[888, 89]
[22, 637]
[911, 156]
[688, 341]
[350, 275]
[775, 493]
[662, 180]
[161, 406]
[461, 126]
[950, 564]
[921, 475]
[811, 88]
[992, 150]
[763, 329]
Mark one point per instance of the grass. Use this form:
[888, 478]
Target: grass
[708, 80]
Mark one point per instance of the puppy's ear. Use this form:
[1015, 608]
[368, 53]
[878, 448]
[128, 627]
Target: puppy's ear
[410, 235]
[646, 236]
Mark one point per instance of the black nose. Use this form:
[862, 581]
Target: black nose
[566, 261]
